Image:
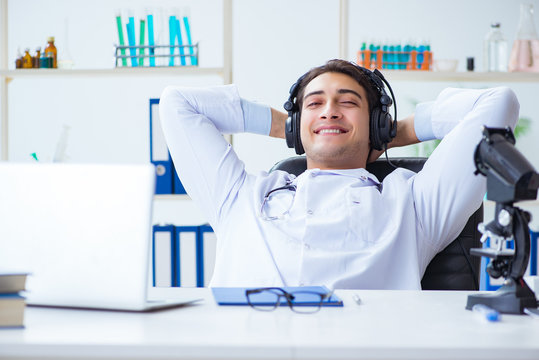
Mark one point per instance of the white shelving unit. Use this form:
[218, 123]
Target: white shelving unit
[429, 76]
[142, 71]
[7, 75]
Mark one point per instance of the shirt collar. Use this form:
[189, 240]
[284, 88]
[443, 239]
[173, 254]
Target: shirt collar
[359, 173]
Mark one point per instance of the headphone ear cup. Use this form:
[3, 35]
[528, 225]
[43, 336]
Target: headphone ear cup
[383, 128]
[374, 127]
[289, 132]
[292, 132]
[297, 132]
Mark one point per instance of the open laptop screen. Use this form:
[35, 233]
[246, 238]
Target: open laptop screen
[82, 230]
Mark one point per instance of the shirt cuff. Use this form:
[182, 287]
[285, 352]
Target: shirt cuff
[423, 121]
[256, 117]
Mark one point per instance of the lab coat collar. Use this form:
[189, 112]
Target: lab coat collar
[359, 173]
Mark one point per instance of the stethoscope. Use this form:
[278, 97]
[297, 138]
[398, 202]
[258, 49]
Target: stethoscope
[290, 187]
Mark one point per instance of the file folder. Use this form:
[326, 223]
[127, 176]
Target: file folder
[159, 154]
[534, 239]
[177, 183]
[206, 247]
[163, 256]
[186, 247]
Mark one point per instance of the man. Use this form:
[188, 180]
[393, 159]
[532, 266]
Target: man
[335, 224]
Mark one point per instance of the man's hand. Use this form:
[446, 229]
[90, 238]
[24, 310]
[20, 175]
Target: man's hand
[405, 136]
[278, 120]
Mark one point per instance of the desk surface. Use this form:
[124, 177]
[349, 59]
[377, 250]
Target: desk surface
[387, 325]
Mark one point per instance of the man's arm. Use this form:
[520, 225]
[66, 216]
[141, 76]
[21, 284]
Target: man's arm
[278, 120]
[446, 192]
[193, 121]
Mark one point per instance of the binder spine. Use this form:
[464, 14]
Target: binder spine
[186, 255]
[200, 258]
[206, 247]
[163, 256]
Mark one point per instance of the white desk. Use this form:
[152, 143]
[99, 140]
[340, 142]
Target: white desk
[388, 325]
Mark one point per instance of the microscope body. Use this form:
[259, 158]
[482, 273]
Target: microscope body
[510, 178]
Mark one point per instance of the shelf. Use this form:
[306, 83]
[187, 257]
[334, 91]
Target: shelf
[142, 71]
[174, 197]
[505, 77]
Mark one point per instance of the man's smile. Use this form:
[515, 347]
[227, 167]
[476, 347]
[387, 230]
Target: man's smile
[330, 130]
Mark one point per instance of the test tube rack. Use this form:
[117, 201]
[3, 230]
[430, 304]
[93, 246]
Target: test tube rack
[395, 60]
[183, 55]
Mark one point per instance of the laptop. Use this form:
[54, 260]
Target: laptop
[82, 232]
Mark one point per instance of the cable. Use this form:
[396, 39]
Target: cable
[469, 261]
[387, 157]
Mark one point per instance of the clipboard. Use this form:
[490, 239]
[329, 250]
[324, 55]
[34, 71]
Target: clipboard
[236, 296]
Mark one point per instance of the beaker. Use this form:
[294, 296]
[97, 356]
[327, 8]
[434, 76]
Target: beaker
[525, 52]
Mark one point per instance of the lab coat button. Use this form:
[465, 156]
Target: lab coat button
[309, 212]
[363, 177]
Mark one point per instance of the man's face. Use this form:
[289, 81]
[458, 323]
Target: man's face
[335, 122]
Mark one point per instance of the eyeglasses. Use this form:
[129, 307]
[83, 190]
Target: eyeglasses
[303, 302]
[264, 215]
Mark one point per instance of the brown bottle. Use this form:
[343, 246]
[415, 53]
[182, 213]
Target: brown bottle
[27, 59]
[50, 51]
[35, 59]
[18, 61]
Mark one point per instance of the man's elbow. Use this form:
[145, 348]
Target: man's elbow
[167, 95]
[509, 103]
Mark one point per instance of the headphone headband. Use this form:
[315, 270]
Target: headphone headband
[382, 127]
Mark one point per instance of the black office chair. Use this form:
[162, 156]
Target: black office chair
[451, 269]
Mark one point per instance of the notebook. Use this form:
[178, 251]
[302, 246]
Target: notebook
[303, 295]
[82, 232]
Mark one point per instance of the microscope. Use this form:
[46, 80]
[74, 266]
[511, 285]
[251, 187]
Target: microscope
[510, 178]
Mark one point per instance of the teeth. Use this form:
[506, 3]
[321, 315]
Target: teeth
[330, 131]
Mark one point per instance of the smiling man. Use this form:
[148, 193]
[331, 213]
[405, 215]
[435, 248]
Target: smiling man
[335, 122]
[336, 224]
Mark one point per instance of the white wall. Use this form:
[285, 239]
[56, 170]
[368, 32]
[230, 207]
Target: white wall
[272, 51]
[274, 42]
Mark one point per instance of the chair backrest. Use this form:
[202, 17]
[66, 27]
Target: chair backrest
[451, 269]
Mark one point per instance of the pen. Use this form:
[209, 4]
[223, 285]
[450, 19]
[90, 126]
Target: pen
[356, 299]
[486, 313]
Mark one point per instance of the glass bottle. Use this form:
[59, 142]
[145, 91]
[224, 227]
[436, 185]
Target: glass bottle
[35, 59]
[495, 49]
[18, 61]
[51, 52]
[44, 61]
[27, 59]
[525, 52]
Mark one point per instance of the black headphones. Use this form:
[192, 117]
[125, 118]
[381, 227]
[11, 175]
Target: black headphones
[383, 127]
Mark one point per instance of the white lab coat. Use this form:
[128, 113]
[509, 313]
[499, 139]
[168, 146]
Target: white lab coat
[343, 229]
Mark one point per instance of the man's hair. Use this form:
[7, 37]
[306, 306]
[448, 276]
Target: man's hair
[344, 67]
